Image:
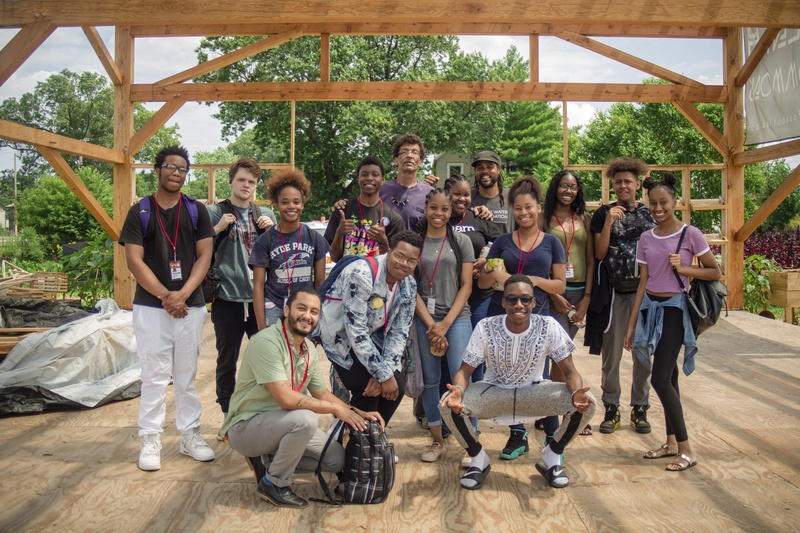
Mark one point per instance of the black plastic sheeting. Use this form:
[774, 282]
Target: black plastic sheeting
[30, 313]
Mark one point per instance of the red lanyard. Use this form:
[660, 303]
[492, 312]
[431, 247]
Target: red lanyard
[462, 220]
[245, 236]
[303, 352]
[172, 243]
[290, 273]
[435, 266]
[360, 212]
[565, 232]
[521, 263]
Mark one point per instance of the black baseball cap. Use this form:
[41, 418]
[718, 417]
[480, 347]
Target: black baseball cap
[486, 155]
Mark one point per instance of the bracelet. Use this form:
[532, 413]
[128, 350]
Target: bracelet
[587, 294]
[384, 241]
[459, 387]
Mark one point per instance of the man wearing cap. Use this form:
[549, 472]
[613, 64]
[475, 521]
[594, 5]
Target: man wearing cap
[489, 189]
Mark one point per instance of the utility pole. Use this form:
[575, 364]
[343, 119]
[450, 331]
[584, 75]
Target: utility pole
[15, 194]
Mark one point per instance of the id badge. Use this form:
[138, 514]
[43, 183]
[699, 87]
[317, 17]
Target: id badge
[431, 305]
[250, 274]
[175, 271]
[570, 270]
[285, 301]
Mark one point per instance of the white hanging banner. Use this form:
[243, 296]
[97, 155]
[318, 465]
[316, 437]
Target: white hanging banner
[772, 94]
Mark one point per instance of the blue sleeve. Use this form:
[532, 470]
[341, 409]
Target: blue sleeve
[259, 256]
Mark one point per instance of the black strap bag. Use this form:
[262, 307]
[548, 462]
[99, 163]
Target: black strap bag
[705, 299]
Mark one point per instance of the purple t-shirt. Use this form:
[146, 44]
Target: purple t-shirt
[654, 252]
[408, 202]
[288, 258]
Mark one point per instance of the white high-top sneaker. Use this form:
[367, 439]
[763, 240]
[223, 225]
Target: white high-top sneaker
[150, 453]
[193, 445]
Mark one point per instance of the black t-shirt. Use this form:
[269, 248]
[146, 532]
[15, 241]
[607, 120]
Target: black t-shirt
[364, 217]
[480, 233]
[158, 251]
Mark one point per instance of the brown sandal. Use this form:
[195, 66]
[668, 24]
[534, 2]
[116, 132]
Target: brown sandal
[656, 454]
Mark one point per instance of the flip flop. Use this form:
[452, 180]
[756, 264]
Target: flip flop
[587, 431]
[555, 475]
[681, 466]
[476, 474]
[655, 454]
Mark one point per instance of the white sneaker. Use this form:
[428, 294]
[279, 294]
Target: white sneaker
[193, 445]
[150, 453]
[432, 453]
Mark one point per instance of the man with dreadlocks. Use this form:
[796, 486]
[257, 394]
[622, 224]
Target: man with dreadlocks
[489, 189]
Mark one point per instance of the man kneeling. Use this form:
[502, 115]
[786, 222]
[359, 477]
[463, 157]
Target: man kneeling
[272, 421]
[514, 348]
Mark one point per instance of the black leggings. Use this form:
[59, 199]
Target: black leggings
[665, 370]
[356, 379]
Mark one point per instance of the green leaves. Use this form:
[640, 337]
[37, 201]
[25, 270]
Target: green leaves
[756, 284]
[91, 270]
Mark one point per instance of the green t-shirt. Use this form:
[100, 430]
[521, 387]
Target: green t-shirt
[577, 249]
[266, 360]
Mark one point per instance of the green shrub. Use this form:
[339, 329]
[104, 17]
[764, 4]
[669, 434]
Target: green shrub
[27, 246]
[756, 284]
[91, 271]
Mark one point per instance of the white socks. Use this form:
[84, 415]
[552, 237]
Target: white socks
[550, 457]
[480, 461]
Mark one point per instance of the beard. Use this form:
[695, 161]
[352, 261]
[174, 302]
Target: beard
[295, 325]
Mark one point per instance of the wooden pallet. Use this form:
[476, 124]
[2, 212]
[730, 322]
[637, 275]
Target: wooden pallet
[10, 337]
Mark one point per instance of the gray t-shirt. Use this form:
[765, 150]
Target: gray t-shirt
[445, 280]
[236, 278]
[502, 215]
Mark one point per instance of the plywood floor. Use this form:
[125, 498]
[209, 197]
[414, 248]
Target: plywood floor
[76, 471]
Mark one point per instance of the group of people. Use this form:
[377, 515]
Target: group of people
[491, 284]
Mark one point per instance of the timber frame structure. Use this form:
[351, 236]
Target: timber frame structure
[280, 21]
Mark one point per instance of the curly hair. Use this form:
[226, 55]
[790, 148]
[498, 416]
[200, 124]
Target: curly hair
[247, 163]
[637, 167]
[171, 150]
[370, 160]
[290, 177]
[578, 205]
[408, 138]
[668, 184]
[525, 185]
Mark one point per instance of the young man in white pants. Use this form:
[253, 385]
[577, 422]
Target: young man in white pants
[169, 259]
[514, 347]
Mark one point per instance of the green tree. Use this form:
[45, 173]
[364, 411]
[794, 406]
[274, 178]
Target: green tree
[332, 137]
[55, 213]
[532, 141]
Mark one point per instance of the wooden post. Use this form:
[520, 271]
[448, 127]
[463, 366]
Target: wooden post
[565, 132]
[291, 142]
[325, 57]
[533, 62]
[733, 175]
[124, 182]
[212, 186]
[686, 185]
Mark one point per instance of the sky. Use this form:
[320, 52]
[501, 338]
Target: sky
[157, 58]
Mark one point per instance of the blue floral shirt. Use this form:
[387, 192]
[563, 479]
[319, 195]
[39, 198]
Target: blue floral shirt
[355, 317]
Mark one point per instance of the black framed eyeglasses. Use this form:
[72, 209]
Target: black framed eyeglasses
[173, 168]
[512, 299]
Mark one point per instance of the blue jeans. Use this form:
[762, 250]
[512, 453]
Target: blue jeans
[458, 337]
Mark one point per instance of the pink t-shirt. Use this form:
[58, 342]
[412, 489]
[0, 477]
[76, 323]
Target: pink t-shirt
[654, 252]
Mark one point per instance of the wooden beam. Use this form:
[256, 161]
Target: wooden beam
[325, 57]
[124, 178]
[733, 176]
[150, 128]
[232, 57]
[704, 126]
[427, 28]
[626, 58]
[21, 46]
[77, 186]
[533, 44]
[761, 48]
[768, 153]
[565, 132]
[103, 54]
[396, 91]
[724, 13]
[25, 134]
[780, 194]
[293, 126]
[212, 186]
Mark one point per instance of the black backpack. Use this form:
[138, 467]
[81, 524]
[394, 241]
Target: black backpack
[369, 467]
[620, 260]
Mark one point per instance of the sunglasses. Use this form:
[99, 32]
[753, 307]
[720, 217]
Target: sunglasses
[513, 299]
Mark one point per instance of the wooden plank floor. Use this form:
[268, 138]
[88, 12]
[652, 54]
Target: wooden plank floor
[76, 471]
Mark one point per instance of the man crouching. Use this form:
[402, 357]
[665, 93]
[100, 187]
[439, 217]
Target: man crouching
[272, 421]
[514, 347]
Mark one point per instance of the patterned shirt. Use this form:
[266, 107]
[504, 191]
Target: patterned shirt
[360, 315]
[516, 360]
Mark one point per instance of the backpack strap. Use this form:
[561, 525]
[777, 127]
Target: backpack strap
[336, 432]
[677, 250]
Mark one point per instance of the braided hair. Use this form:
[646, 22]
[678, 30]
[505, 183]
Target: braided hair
[499, 183]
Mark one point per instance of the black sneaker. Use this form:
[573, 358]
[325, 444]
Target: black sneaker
[257, 467]
[611, 420]
[639, 419]
[279, 496]
[517, 445]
